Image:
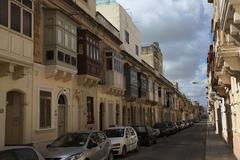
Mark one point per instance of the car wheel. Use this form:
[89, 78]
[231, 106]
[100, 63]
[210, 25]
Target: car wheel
[124, 151]
[110, 156]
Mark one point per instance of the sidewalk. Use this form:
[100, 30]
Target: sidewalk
[216, 148]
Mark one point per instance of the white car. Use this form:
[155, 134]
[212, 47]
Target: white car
[123, 140]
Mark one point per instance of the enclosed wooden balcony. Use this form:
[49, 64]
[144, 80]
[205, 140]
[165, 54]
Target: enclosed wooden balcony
[88, 58]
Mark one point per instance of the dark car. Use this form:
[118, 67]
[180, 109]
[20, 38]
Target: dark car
[163, 127]
[172, 128]
[146, 135]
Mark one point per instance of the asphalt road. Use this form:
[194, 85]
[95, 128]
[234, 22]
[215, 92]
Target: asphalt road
[188, 144]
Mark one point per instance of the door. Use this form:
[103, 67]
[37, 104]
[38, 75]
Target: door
[101, 116]
[14, 118]
[62, 115]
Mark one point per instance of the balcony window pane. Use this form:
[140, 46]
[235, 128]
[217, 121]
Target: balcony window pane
[73, 61]
[27, 3]
[27, 23]
[60, 56]
[4, 12]
[66, 40]
[109, 64]
[59, 36]
[50, 55]
[88, 50]
[73, 42]
[15, 17]
[67, 58]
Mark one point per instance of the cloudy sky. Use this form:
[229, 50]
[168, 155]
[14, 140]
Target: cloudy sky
[182, 27]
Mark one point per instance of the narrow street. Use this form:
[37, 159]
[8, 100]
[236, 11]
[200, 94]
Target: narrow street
[185, 145]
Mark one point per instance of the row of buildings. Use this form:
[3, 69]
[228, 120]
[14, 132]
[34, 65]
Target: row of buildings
[70, 65]
[224, 72]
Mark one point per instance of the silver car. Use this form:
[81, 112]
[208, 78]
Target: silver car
[19, 153]
[80, 146]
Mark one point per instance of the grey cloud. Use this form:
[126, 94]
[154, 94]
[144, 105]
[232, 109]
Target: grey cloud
[182, 27]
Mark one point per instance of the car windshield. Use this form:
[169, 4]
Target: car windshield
[71, 140]
[114, 132]
[140, 129]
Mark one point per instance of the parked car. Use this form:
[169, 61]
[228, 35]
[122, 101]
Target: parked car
[172, 128]
[156, 132]
[123, 140]
[163, 127]
[146, 135]
[21, 152]
[91, 145]
[180, 125]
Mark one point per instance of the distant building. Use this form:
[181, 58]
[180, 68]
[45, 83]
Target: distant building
[152, 55]
[120, 19]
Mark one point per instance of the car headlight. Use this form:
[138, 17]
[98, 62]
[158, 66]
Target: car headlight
[117, 144]
[76, 156]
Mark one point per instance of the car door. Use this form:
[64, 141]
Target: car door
[94, 152]
[104, 145]
[134, 139]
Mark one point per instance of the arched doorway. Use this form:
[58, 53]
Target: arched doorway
[101, 116]
[14, 118]
[62, 114]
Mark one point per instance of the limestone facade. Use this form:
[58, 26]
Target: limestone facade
[67, 68]
[223, 72]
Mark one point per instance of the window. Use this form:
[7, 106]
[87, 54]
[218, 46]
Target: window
[60, 36]
[4, 12]
[137, 51]
[26, 154]
[27, 23]
[50, 55]
[109, 64]
[73, 42]
[90, 110]
[73, 61]
[60, 56]
[66, 39]
[45, 109]
[15, 17]
[159, 92]
[67, 58]
[27, 3]
[127, 37]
